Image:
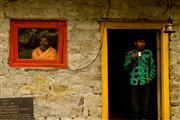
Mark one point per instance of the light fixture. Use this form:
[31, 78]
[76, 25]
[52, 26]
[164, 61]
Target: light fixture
[169, 26]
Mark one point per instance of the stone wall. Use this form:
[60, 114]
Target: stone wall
[174, 75]
[63, 94]
[66, 94]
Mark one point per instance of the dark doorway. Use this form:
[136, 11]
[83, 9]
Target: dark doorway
[119, 42]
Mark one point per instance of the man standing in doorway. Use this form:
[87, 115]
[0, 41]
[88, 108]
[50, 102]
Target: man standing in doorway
[139, 63]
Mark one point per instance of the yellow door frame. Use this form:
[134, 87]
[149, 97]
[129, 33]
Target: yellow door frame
[162, 65]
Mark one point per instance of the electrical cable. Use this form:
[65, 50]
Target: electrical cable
[169, 6]
[107, 14]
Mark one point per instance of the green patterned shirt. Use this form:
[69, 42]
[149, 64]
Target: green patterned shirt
[142, 68]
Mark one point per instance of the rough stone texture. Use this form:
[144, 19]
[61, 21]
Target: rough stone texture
[72, 93]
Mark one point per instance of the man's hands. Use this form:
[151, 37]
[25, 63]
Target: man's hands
[134, 56]
[148, 81]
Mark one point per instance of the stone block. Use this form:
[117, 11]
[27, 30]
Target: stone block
[80, 89]
[175, 110]
[7, 92]
[92, 100]
[53, 118]
[97, 87]
[175, 96]
[66, 118]
[95, 112]
[79, 118]
[77, 111]
[93, 118]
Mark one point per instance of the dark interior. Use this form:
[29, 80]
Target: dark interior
[119, 42]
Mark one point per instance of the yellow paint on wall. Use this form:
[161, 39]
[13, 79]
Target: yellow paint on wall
[104, 61]
[165, 77]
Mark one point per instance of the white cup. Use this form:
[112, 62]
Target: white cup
[139, 54]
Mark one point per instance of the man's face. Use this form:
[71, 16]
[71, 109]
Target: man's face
[140, 44]
[44, 41]
[44, 45]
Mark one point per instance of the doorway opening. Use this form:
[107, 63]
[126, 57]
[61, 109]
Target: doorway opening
[117, 45]
[119, 42]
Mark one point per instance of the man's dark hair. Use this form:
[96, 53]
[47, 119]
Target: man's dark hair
[139, 37]
[44, 36]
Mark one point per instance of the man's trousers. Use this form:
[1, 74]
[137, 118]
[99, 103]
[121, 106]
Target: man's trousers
[140, 101]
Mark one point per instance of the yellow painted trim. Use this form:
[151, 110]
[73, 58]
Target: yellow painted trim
[159, 76]
[163, 68]
[133, 25]
[165, 77]
[104, 60]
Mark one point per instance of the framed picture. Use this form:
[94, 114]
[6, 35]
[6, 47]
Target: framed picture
[38, 43]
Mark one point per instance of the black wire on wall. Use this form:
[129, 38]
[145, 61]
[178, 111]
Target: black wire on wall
[99, 50]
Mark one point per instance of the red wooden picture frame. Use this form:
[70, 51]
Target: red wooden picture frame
[26, 30]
